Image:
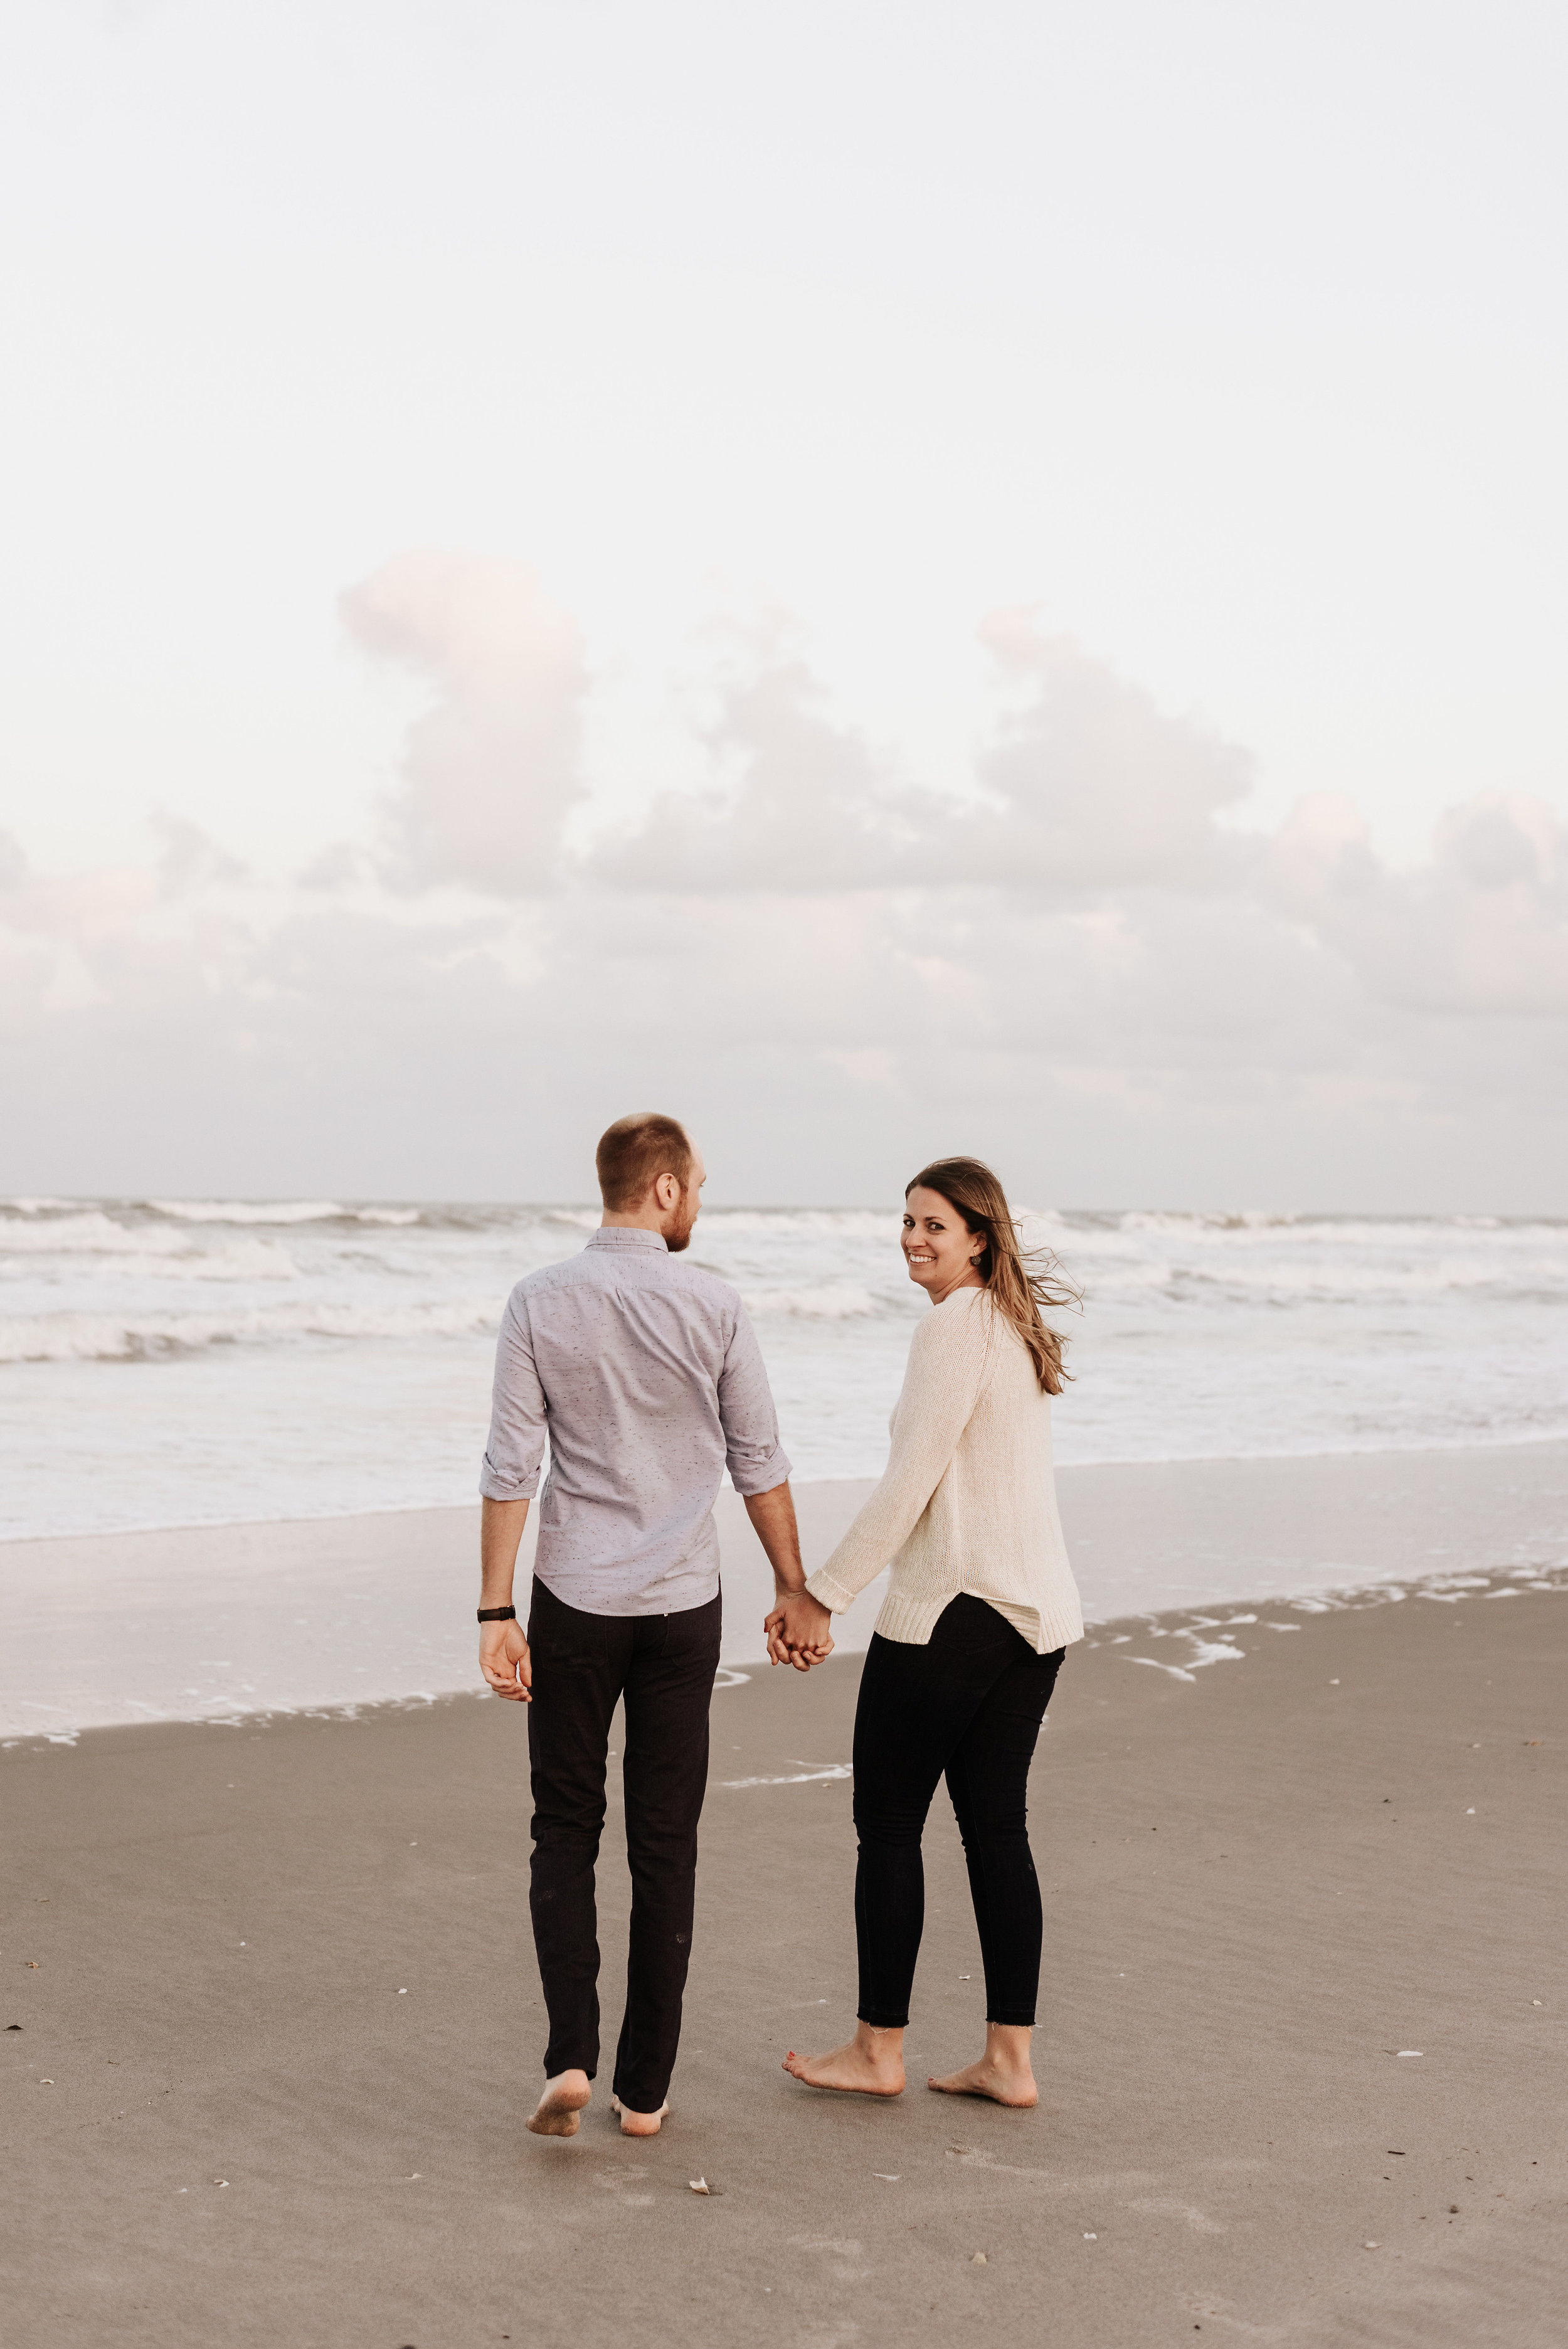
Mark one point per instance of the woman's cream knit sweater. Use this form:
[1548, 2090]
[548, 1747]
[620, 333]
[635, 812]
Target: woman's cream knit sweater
[968, 1500]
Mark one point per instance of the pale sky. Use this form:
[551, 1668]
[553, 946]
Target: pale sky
[621, 365]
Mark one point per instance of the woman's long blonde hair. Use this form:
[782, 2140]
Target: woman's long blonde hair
[1021, 1281]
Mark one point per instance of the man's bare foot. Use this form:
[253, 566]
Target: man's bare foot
[871, 2065]
[637, 2124]
[1004, 2073]
[556, 2112]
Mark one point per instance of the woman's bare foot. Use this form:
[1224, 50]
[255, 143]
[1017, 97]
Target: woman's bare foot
[871, 2065]
[637, 2124]
[557, 2110]
[1004, 2073]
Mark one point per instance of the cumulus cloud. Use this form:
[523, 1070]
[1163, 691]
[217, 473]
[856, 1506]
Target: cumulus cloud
[491, 772]
[797, 802]
[1085, 786]
[1090, 785]
[190, 859]
[1482, 929]
[1076, 962]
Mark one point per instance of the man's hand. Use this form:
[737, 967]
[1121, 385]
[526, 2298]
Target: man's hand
[505, 1662]
[503, 1646]
[799, 1631]
[796, 1629]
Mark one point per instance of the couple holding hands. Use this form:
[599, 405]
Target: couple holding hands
[645, 1374]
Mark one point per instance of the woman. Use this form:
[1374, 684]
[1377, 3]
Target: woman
[980, 1607]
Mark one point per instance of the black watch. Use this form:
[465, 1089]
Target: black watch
[498, 1614]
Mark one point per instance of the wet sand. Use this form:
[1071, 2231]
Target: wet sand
[206, 1621]
[282, 2024]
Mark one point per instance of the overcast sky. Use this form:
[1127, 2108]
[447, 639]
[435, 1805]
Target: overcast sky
[886, 578]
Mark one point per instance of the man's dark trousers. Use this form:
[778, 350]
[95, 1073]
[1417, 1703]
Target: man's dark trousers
[663, 1666]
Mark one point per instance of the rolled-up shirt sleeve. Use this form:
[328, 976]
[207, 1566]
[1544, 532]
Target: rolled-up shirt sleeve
[519, 1413]
[753, 1455]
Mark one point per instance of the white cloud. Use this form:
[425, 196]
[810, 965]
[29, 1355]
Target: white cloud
[1085, 785]
[1072, 963]
[1482, 929]
[1092, 786]
[799, 803]
[190, 859]
[489, 774]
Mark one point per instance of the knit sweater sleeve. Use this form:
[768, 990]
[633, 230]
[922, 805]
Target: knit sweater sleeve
[942, 1383]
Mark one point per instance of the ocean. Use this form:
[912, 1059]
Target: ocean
[178, 1362]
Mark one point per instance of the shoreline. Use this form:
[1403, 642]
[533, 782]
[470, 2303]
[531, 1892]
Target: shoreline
[282, 1616]
[1214, 1639]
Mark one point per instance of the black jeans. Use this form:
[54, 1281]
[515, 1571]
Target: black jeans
[663, 1666]
[970, 1703]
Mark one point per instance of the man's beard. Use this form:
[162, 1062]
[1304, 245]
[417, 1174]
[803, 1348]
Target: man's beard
[681, 1237]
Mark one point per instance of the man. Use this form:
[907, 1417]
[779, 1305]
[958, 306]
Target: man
[646, 1375]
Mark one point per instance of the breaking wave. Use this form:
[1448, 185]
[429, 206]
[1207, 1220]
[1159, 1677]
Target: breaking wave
[112, 1337]
[278, 1211]
[302, 1338]
[832, 1302]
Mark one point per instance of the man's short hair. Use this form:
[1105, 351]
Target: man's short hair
[634, 1152]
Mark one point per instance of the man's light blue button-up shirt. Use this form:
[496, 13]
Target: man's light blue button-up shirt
[645, 1374]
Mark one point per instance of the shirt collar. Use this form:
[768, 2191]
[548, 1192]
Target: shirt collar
[630, 1235]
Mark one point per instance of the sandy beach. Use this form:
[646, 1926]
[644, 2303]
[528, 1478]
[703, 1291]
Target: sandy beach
[1302, 2045]
[631, 631]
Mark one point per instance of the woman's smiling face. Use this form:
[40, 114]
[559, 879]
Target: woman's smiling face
[938, 1245]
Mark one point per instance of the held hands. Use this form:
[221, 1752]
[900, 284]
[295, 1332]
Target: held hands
[505, 1662]
[798, 1632]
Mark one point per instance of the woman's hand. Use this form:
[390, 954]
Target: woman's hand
[505, 1662]
[799, 1631]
